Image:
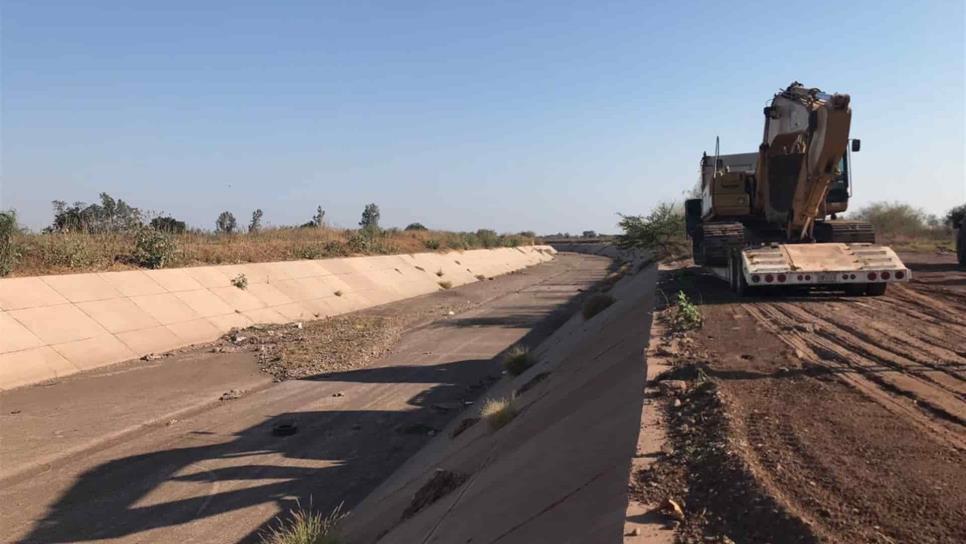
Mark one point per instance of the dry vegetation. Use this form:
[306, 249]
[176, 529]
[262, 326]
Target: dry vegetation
[52, 253]
[498, 412]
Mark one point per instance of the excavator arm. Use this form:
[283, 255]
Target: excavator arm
[806, 135]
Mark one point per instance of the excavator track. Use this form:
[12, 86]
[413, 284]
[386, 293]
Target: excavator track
[842, 231]
[715, 242]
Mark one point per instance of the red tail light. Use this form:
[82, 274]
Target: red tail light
[886, 275]
[769, 278]
[871, 276]
[900, 274]
[781, 278]
[808, 277]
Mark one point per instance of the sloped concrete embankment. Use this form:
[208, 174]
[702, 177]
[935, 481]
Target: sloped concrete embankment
[54, 326]
[604, 249]
[558, 472]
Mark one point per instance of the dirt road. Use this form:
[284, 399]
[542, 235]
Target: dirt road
[90, 459]
[847, 414]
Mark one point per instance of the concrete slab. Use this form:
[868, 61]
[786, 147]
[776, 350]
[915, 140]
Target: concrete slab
[303, 288]
[265, 315]
[209, 276]
[154, 340]
[95, 352]
[132, 283]
[227, 322]
[196, 331]
[81, 287]
[166, 308]
[268, 294]
[19, 293]
[14, 336]
[295, 311]
[238, 299]
[31, 366]
[204, 303]
[118, 314]
[58, 324]
[174, 280]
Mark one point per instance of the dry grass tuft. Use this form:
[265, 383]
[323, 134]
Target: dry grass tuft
[517, 360]
[446, 284]
[55, 253]
[305, 527]
[499, 412]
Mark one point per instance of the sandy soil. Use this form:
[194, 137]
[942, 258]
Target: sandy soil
[819, 418]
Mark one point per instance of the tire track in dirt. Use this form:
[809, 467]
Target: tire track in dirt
[943, 421]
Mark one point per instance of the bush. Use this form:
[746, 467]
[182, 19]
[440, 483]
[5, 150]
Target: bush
[894, 218]
[661, 232]
[517, 360]
[431, 244]
[240, 281]
[488, 238]
[8, 249]
[416, 226]
[305, 527]
[954, 217]
[446, 284]
[168, 224]
[226, 223]
[152, 248]
[498, 412]
[597, 304]
[686, 315]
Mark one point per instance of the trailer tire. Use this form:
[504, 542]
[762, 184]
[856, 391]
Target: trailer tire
[876, 289]
[738, 283]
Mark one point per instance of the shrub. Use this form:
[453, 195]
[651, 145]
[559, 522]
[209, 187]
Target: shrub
[596, 304]
[498, 412]
[446, 284]
[488, 238]
[168, 224]
[305, 527]
[481, 277]
[240, 281]
[370, 218]
[431, 244]
[686, 315]
[416, 226]
[153, 248]
[661, 232]
[226, 223]
[8, 250]
[517, 360]
[894, 218]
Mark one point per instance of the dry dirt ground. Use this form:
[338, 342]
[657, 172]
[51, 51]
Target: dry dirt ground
[185, 448]
[816, 418]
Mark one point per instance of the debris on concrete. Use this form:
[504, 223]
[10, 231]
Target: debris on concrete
[440, 485]
[231, 395]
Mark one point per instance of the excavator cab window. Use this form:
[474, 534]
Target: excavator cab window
[838, 191]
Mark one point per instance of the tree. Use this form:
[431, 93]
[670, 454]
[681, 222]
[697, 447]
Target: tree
[415, 226]
[318, 220]
[954, 217]
[256, 223]
[370, 218]
[226, 223]
[661, 232]
[8, 251]
[109, 216]
[589, 234]
[168, 224]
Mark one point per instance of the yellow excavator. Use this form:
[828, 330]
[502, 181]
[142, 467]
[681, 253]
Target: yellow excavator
[769, 219]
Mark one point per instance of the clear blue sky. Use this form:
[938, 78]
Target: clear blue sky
[550, 116]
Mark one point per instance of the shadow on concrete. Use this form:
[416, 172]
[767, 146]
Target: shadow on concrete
[360, 449]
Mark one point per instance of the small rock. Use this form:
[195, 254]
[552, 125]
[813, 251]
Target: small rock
[338, 394]
[298, 325]
[677, 403]
[635, 532]
[451, 312]
[238, 339]
[151, 357]
[673, 386]
[231, 395]
[673, 510]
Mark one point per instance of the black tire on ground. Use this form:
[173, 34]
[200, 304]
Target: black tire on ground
[876, 289]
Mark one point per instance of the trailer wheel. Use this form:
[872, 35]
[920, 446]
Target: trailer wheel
[876, 289]
[738, 283]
